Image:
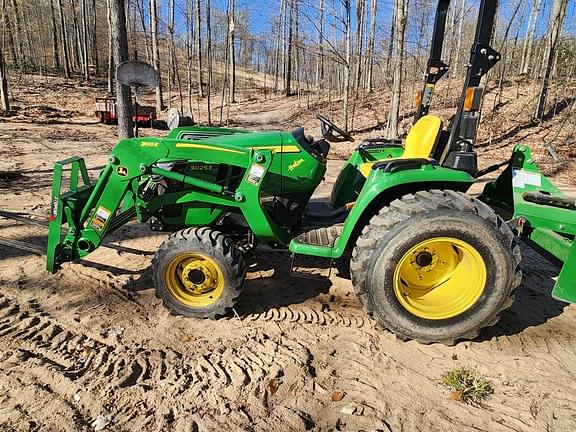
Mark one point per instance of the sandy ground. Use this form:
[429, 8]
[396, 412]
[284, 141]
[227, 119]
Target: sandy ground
[91, 346]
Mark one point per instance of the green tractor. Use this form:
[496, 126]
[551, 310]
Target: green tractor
[428, 261]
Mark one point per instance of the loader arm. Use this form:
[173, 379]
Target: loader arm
[127, 190]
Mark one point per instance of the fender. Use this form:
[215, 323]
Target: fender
[387, 181]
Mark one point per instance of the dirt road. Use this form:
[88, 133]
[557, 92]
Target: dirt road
[92, 347]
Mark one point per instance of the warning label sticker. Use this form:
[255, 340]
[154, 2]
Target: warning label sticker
[100, 217]
[255, 174]
[521, 178]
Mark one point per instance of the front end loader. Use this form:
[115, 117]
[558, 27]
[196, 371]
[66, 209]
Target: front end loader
[429, 261]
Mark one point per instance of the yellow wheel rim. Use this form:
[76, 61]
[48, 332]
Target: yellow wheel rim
[440, 278]
[194, 279]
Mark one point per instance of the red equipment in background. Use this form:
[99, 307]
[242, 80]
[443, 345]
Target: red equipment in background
[106, 112]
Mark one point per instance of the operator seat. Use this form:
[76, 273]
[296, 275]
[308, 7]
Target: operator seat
[420, 142]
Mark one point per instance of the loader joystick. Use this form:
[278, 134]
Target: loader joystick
[328, 128]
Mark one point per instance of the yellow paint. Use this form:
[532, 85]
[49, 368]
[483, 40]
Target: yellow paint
[149, 144]
[207, 147]
[184, 289]
[274, 149]
[279, 149]
[452, 282]
[419, 142]
[365, 168]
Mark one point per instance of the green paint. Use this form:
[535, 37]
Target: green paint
[206, 173]
[547, 227]
[379, 190]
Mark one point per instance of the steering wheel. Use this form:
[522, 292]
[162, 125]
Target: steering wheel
[331, 132]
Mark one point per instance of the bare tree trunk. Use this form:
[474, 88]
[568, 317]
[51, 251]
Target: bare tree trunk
[43, 65]
[320, 58]
[297, 52]
[169, 43]
[504, 51]
[4, 100]
[174, 74]
[9, 33]
[450, 35]
[391, 43]
[94, 38]
[18, 36]
[77, 43]
[557, 15]
[65, 50]
[530, 36]
[225, 71]
[55, 47]
[140, 7]
[189, 52]
[110, 49]
[281, 24]
[288, 77]
[459, 38]
[285, 41]
[232, 55]
[371, 39]
[199, 48]
[27, 33]
[85, 41]
[120, 48]
[401, 8]
[155, 56]
[360, 7]
[209, 55]
[347, 23]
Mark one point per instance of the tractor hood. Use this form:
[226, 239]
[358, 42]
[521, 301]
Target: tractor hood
[278, 142]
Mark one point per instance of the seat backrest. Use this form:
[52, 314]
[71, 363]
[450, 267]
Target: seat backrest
[422, 137]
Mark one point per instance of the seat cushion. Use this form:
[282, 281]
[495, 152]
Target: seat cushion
[420, 142]
[422, 137]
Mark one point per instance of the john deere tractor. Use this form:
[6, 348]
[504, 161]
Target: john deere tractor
[428, 261]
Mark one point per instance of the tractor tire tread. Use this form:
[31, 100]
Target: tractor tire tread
[226, 250]
[414, 204]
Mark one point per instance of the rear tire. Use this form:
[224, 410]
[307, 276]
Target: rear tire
[199, 272]
[436, 266]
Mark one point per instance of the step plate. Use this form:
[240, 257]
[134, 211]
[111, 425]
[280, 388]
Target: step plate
[322, 236]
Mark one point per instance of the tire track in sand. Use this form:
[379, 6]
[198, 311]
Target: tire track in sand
[63, 357]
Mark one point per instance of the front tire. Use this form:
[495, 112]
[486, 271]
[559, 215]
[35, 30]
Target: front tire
[199, 272]
[436, 267]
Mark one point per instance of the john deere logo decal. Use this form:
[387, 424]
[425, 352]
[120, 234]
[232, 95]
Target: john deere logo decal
[122, 171]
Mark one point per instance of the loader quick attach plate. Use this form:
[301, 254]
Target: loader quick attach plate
[66, 206]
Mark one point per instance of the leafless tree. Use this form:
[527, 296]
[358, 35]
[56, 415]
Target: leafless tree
[557, 15]
[155, 52]
[120, 49]
[4, 100]
[529, 39]
[400, 18]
